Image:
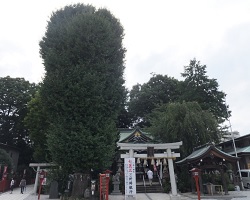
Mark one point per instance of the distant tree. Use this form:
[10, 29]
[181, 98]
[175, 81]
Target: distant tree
[5, 160]
[83, 89]
[185, 122]
[37, 124]
[15, 93]
[144, 98]
[124, 119]
[198, 87]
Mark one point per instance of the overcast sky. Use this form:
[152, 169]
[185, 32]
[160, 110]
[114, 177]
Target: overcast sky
[160, 36]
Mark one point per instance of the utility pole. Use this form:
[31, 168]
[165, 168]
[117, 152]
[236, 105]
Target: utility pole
[238, 164]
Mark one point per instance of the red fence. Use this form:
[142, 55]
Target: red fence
[4, 185]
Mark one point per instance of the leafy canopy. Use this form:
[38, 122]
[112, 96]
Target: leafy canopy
[15, 93]
[36, 121]
[185, 122]
[144, 98]
[5, 159]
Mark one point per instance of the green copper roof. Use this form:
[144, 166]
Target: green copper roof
[134, 136]
[204, 152]
[240, 150]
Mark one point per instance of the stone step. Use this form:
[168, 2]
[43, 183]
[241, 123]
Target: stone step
[149, 189]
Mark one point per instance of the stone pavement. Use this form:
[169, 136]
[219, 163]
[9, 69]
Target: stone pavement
[16, 195]
[146, 196]
[233, 195]
[27, 195]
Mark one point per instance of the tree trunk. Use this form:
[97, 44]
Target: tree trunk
[80, 184]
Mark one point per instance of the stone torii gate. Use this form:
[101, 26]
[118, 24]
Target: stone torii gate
[168, 155]
[39, 165]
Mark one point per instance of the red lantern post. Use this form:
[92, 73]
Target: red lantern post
[195, 174]
[107, 173]
[104, 185]
[41, 177]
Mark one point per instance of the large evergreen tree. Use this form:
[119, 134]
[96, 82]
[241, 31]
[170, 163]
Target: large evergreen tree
[83, 89]
[15, 93]
[197, 86]
[144, 98]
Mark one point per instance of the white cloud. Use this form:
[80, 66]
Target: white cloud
[161, 37]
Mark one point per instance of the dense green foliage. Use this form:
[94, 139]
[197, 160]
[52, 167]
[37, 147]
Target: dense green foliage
[124, 118]
[83, 90]
[185, 122]
[15, 93]
[198, 87]
[144, 98]
[36, 121]
[5, 160]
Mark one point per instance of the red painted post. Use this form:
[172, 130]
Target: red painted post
[102, 186]
[197, 186]
[195, 173]
[42, 176]
[4, 178]
[107, 174]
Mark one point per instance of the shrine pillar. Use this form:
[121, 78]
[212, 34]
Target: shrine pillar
[171, 173]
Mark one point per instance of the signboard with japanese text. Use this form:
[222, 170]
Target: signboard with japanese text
[130, 180]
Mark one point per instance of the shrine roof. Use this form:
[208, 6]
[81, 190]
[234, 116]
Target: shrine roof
[206, 151]
[237, 139]
[136, 135]
[244, 150]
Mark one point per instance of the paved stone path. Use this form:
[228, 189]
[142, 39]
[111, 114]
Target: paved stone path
[233, 195]
[27, 195]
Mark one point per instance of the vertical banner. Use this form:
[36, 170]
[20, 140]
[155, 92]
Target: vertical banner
[130, 178]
